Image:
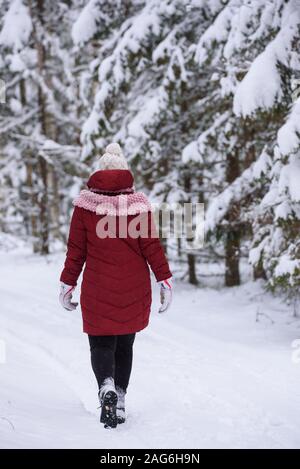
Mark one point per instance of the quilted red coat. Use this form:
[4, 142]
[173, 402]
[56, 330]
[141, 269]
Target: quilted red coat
[116, 290]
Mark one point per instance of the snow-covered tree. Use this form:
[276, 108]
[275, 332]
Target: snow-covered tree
[199, 94]
[150, 94]
[276, 244]
[41, 124]
[251, 45]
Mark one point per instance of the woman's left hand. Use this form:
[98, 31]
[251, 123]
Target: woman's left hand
[65, 297]
[165, 295]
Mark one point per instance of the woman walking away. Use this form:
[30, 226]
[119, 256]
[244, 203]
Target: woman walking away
[112, 233]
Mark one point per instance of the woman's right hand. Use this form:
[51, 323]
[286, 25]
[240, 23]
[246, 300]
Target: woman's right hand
[65, 297]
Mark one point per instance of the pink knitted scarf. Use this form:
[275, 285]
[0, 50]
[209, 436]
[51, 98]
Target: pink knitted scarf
[123, 204]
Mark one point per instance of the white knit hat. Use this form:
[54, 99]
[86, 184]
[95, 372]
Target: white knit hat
[113, 158]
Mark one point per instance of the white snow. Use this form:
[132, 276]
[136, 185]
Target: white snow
[16, 64]
[86, 26]
[283, 210]
[290, 177]
[17, 26]
[164, 48]
[195, 150]
[261, 88]
[235, 192]
[213, 372]
[151, 106]
[149, 19]
[191, 152]
[91, 125]
[286, 265]
[137, 34]
[288, 135]
[237, 26]
[217, 32]
[256, 252]
[240, 21]
[262, 165]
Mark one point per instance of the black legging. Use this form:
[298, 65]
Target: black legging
[111, 357]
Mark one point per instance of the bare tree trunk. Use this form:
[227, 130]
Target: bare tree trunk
[233, 234]
[52, 180]
[43, 167]
[259, 272]
[232, 258]
[33, 204]
[54, 205]
[179, 248]
[191, 257]
[48, 127]
[164, 242]
[31, 196]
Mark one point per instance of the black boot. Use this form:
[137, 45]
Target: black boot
[121, 405]
[108, 399]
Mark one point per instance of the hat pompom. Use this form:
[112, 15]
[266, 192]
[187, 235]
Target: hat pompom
[113, 149]
[113, 158]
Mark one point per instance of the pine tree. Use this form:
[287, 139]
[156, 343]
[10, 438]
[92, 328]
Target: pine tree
[245, 42]
[150, 96]
[41, 121]
[198, 94]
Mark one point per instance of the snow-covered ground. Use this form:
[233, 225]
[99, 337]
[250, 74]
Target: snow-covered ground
[205, 375]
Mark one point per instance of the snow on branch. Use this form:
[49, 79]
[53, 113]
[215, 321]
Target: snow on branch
[286, 266]
[239, 189]
[142, 30]
[217, 32]
[261, 88]
[289, 179]
[10, 124]
[288, 136]
[152, 106]
[164, 49]
[17, 26]
[196, 149]
[147, 23]
[86, 25]
[131, 42]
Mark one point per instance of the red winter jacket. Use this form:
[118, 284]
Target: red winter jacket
[116, 289]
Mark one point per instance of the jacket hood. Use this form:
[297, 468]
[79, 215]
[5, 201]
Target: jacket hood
[111, 180]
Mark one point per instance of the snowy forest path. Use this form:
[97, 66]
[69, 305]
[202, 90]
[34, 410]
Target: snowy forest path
[219, 378]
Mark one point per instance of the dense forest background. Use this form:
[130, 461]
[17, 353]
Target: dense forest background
[203, 96]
